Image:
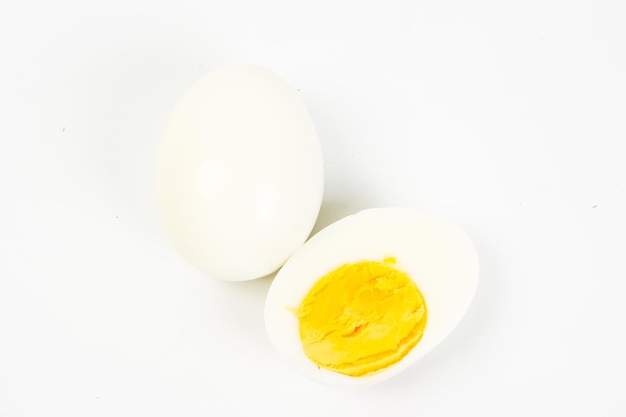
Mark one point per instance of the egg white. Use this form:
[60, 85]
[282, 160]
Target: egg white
[437, 254]
[239, 173]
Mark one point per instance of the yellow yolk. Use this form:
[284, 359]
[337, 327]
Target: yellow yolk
[361, 318]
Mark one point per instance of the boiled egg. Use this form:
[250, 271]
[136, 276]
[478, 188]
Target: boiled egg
[239, 183]
[239, 173]
[370, 295]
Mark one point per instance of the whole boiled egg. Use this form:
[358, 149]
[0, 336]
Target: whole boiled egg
[239, 173]
[371, 294]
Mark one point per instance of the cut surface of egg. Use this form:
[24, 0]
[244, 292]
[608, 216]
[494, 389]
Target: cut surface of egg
[239, 173]
[370, 295]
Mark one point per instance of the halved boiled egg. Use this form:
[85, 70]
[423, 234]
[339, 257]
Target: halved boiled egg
[371, 294]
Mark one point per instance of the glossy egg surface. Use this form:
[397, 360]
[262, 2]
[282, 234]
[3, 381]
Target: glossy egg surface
[239, 173]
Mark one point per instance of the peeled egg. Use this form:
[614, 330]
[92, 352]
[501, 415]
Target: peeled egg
[370, 295]
[239, 173]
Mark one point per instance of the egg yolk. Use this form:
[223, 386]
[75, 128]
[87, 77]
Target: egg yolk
[361, 318]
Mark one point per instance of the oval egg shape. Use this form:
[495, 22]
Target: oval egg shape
[435, 254]
[239, 173]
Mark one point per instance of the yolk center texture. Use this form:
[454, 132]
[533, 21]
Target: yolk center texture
[361, 318]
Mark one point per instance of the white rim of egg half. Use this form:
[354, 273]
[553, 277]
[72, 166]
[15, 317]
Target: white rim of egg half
[437, 254]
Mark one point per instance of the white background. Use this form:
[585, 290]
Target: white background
[508, 117]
